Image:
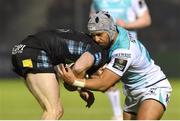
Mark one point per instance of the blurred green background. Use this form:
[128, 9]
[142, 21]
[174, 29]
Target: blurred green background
[17, 103]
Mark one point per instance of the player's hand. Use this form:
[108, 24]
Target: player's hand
[67, 74]
[57, 69]
[87, 96]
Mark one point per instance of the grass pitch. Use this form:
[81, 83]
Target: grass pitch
[17, 103]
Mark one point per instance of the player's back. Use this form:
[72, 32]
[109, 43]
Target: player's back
[63, 45]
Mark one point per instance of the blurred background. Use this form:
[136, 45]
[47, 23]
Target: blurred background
[18, 18]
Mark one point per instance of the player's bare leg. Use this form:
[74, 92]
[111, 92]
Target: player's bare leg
[128, 116]
[45, 88]
[150, 110]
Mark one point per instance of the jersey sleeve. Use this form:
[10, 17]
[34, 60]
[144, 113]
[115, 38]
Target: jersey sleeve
[139, 6]
[121, 59]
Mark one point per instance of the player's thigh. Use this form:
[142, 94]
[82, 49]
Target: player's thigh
[45, 88]
[155, 101]
[150, 109]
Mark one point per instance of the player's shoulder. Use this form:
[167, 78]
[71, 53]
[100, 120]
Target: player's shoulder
[43, 33]
[75, 35]
[122, 39]
[64, 31]
[72, 32]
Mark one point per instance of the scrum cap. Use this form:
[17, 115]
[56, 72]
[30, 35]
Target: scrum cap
[102, 21]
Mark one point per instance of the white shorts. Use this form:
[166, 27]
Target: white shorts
[159, 92]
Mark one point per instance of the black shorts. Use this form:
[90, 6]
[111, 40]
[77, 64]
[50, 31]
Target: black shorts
[30, 60]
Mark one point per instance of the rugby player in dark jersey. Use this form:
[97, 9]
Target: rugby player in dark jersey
[36, 57]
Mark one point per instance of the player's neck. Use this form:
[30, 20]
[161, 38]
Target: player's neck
[114, 37]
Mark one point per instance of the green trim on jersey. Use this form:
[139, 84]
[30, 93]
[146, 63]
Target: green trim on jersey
[160, 97]
[144, 51]
[122, 41]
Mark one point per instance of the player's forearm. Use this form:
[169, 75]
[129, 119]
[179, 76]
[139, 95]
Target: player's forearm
[92, 84]
[141, 22]
[81, 65]
[97, 84]
[138, 24]
[101, 83]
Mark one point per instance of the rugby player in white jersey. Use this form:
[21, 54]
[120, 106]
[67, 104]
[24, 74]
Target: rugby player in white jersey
[146, 87]
[131, 15]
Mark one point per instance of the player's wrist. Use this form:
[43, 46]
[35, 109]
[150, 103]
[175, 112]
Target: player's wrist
[79, 83]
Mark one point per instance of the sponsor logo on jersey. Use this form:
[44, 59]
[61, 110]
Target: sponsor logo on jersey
[152, 91]
[122, 55]
[18, 49]
[120, 64]
[27, 63]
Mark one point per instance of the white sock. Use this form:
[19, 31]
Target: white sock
[114, 97]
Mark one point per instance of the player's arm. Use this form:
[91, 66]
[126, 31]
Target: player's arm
[102, 83]
[142, 21]
[110, 75]
[79, 68]
[83, 63]
[143, 16]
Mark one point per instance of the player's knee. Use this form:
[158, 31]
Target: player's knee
[55, 114]
[59, 113]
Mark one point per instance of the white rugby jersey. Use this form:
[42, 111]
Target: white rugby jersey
[127, 10]
[130, 60]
